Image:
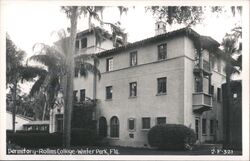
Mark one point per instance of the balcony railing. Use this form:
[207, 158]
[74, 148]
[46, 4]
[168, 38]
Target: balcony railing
[202, 102]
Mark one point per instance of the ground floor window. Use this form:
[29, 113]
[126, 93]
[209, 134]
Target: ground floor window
[146, 123]
[131, 124]
[204, 126]
[161, 120]
[211, 127]
[59, 122]
[102, 127]
[114, 127]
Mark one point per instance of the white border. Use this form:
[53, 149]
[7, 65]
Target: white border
[245, 72]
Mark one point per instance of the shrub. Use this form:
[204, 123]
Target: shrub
[80, 136]
[33, 140]
[171, 137]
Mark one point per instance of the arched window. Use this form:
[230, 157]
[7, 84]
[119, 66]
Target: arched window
[102, 127]
[114, 127]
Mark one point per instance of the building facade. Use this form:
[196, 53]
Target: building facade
[173, 77]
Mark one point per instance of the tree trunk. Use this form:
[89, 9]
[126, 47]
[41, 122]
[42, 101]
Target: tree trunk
[229, 107]
[14, 107]
[68, 95]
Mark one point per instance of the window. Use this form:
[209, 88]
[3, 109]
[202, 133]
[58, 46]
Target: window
[75, 96]
[114, 127]
[219, 65]
[162, 51]
[59, 122]
[102, 127]
[76, 72]
[162, 85]
[197, 84]
[211, 127]
[83, 42]
[146, 123]
[133, 89]
[109, 66]
[77, 44]
[212, 90]
[161, 120]
[204, 126]
[218, 94]
[131, 124]
[133, 58]
[109, 92]
[82, 95]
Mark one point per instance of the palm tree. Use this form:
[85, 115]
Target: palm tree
[73, 13]
[54, 59]
[230, 48]
[17, 72]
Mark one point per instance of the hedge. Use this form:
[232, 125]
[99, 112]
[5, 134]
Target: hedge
[79, 137]
[171, 137]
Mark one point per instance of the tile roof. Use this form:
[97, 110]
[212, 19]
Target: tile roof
[206, 41]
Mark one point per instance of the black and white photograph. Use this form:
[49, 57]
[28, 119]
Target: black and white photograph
[138, 80]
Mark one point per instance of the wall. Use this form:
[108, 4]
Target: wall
[19, 121]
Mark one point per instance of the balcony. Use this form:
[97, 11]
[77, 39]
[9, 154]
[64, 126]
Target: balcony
[202, 102]
[205, 68]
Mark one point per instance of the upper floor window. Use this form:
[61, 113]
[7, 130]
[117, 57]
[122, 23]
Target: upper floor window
[109, 92]
[219, 65]
[161, 120]
[162, 51]
[77, 44]
[75, 96]
[133, 58]
[82, 95]
[76, 72]
[146, 123]
[83, 42]
[109, 64]
[218, 94]
[162, 85]
[212, 90]
[133, 89]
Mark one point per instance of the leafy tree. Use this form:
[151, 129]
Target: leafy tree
[188, 15]
[17, 72]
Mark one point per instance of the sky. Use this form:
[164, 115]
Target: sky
[31, 23]
[28, 24]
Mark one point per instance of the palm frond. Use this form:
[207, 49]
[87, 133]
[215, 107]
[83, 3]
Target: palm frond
[80, 59]
[29, 73]
[85, 68]
[37, 86]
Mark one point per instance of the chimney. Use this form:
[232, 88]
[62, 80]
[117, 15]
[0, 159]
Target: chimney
[160, 27]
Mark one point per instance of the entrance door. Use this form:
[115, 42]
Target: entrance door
[59, 122]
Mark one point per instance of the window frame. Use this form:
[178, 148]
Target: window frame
[143, 125]
[218, 94]
[158, 123]
[109, 96]
[133, 54]
[162, 53]
[75, 98]
[211, 130]
[114, 127]
[161, 84]
[134, 124]
[131, 89]
[81, 95]
[109, 65]
[204, 126]
[85, 42]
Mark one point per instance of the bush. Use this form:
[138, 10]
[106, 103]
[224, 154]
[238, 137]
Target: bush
[81, 136]
[34, 140]
[171, 137]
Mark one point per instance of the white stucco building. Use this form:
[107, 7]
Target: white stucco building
[174, 77]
